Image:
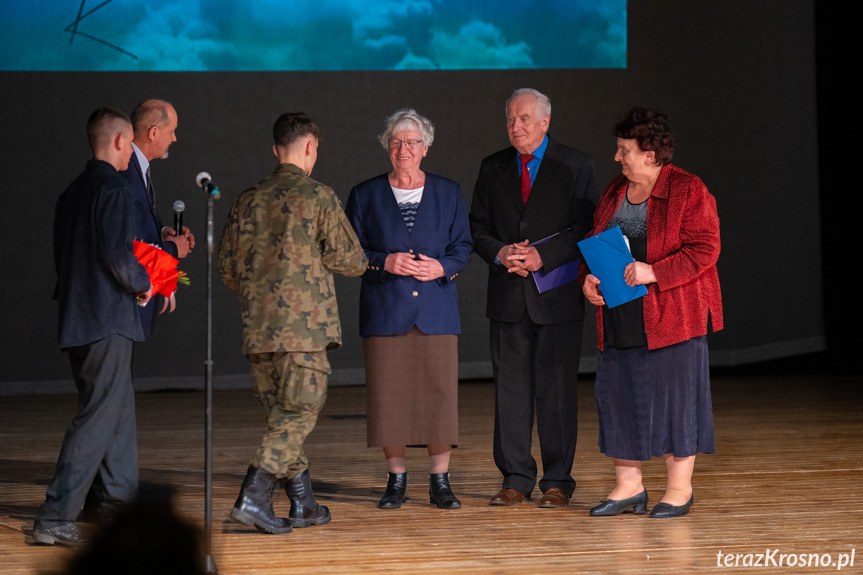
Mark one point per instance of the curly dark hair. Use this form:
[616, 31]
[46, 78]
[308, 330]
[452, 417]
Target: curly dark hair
[650, 128]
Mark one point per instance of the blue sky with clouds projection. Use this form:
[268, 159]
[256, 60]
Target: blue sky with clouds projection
[202, 35]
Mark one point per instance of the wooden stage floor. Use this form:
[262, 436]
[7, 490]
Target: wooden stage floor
[787, 479]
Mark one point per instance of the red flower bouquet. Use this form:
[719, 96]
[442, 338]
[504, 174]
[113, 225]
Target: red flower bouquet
[162, 268]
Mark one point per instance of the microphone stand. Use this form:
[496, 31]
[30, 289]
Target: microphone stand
[209, 562]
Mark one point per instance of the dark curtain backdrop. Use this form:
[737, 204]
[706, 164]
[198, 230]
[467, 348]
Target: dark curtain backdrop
[737, 79]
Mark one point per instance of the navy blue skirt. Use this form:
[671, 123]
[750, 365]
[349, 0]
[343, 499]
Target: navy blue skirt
[655, 402]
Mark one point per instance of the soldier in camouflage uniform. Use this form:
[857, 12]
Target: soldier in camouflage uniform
[282, 242]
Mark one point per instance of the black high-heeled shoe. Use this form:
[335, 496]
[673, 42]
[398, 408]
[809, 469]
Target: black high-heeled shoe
[440, 493]
[618, 506]
[663, 510]
[394, 496]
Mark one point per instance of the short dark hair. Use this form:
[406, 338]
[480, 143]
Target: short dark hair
[150, 113]
[104, 124]
[292, 126]
[651, 129]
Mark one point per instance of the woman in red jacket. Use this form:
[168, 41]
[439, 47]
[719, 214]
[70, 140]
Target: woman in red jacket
[652, 380]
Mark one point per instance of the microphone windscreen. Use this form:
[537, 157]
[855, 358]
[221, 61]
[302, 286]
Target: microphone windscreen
[179, 206]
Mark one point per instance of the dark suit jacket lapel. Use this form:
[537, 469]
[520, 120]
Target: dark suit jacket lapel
[549, 170]
[510, 180]
[134, 161]
[157, 221]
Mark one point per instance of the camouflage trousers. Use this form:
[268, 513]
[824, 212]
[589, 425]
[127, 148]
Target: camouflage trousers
[292, 388]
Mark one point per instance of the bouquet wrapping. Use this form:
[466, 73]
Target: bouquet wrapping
[162, 269]
[161, 266]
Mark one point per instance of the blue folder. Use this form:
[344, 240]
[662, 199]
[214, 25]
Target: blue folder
[560, 275]
[606, 255]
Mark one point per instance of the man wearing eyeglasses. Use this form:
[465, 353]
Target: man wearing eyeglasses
[537, 189]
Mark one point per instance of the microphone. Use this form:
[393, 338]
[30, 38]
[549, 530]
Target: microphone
[179, 208]
[206, 183]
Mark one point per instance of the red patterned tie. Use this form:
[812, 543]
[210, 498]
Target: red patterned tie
[525, 176]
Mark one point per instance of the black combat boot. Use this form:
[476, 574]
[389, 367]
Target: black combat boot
[397, 486]
[254, 506]
[305, 511]
[440, 493]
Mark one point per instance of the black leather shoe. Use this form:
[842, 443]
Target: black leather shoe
[104, 513]
[663, 510]
[305, 511]
[66, 534]
[254, 506]
[440, 493]
[394, 496]
[618, 506]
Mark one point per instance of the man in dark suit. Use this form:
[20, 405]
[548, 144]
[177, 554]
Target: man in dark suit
[155, 125]
[528, 192]
[98, 276]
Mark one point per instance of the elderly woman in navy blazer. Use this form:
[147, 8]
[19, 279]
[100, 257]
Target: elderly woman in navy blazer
[415, 231]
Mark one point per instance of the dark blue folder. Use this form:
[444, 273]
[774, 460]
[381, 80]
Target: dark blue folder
[606, 255]
[560, 275]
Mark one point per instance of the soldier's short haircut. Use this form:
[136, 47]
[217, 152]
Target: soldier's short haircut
[292, 126]
[150, 113]
[104, 125]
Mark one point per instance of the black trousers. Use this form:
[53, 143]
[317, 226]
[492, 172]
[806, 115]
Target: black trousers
[535, 372]
[101, 442]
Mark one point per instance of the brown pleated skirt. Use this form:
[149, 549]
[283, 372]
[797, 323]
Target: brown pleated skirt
[412, 389]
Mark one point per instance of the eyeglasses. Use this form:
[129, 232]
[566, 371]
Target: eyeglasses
[411, 144]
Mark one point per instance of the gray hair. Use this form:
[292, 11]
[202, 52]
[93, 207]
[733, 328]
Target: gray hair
[406, 120]
[543, 104]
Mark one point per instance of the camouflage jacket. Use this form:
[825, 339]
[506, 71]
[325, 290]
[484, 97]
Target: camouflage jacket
[282, 242]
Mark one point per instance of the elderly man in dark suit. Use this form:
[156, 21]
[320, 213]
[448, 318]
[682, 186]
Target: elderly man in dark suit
[537, 189]
[155, 125]
[98, 277]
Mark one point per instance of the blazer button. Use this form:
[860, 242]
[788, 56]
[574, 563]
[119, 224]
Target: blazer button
[410, 251]
[415, 293]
